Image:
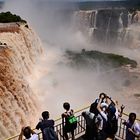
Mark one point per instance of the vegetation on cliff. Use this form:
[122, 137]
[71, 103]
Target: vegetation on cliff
[7, 17]
[94, 58]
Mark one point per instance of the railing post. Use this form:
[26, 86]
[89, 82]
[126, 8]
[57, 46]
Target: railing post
[63, 127]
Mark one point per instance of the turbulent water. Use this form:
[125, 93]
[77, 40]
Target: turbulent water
[19, 50]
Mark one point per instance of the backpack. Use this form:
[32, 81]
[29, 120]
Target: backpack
[49, 134]
[72, 120]
[93, 108]
[111, 127]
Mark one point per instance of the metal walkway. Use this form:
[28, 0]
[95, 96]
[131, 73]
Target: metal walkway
[81, 127]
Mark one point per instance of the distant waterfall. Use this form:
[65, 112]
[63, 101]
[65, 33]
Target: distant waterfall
[130, 36]
[107, 26]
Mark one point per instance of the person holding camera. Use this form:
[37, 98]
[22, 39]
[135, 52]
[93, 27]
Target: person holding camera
[109, 116]
[93, 107]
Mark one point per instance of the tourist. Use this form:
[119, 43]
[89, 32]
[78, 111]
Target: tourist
[46, 125]
[28, 133]
[67, 126]
[132, 127]
[92, 125]
[110, 118]
[93, 106]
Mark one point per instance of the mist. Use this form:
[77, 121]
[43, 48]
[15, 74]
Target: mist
[52, 79]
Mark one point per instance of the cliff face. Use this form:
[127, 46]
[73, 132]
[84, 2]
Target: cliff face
[19, 49]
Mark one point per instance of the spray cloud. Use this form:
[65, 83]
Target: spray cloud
[56, 82]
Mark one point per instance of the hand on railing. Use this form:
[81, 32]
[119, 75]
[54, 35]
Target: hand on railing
[124, 123]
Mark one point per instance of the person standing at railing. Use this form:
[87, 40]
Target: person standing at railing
[28, 133]
[67, 126]
[92, 126]
[93, 106]
[47, 127]
[132, 127]
[93, 109]
[110, 118]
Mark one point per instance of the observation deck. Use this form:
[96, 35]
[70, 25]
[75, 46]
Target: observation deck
[81, 126]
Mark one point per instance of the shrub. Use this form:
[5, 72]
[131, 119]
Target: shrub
[86, 58]
[6, 17]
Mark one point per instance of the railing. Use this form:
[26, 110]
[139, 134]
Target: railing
[78, 131]
[81, 127]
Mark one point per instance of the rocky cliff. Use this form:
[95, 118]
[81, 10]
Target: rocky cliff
[19, 49]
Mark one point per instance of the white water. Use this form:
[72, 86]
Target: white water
[17, 59]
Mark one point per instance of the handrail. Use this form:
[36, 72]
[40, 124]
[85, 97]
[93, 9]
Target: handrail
[58, 119]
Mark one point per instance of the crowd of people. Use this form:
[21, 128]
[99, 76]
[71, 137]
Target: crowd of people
[101, 122]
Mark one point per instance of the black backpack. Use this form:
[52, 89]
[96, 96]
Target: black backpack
[111, 126]
[49, 134]
[93, 108]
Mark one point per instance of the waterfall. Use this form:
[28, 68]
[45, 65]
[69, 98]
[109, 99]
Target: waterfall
[19, 49]
[109, 26]
[131, 35]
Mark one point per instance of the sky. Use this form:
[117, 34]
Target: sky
[72, 0]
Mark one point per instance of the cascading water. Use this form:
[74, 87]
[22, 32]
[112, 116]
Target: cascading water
[19, 50]
[108, 26]
[131, 35]
[85, 21]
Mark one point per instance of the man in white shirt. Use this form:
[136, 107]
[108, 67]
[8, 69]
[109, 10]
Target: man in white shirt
[109, 116]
